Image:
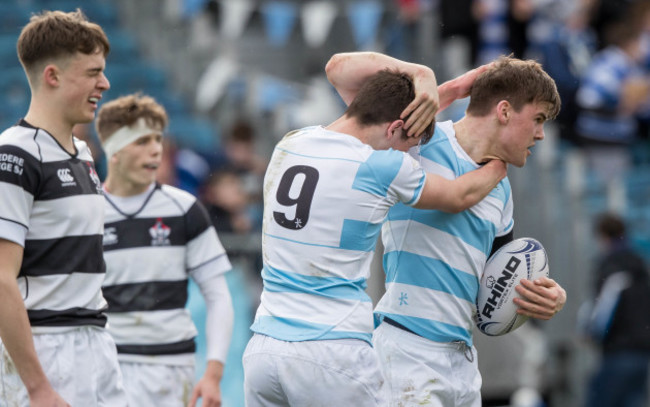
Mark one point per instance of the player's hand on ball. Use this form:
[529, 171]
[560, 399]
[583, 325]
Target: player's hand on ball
[542, 298]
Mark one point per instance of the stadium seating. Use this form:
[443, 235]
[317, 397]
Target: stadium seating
[126, 69]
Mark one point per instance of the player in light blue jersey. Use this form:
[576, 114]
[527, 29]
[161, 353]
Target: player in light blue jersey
[327, 191]
[434, 260]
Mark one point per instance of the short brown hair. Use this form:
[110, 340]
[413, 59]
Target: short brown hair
[517, 81]
[125, 111]
[610, 225]
[53, 34]
[382, 98]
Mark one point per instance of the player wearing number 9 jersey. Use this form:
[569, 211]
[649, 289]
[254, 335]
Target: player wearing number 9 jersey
[327, 191]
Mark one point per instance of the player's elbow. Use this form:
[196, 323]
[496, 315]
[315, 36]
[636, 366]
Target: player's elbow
[332, 66]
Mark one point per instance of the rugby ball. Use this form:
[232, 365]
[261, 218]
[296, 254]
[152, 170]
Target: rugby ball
[496, 313]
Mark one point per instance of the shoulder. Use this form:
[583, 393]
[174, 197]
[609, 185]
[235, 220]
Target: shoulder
[183, 198]
[20, 140]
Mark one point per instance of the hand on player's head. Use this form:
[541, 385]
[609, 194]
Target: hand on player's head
[421, 112]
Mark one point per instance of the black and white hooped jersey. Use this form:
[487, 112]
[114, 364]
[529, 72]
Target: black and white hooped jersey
[52, 205]
[151, 243]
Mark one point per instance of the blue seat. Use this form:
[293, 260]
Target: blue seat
[200, 135]
[101, 12]
[132, 76]
[124, 48]
[13, 17]
[8, 55]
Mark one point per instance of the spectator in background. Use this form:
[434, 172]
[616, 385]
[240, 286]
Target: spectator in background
[566, 55]
[458, 35]
[239, 155]
[619, 322]
[402, 36]
[612, 94]
[227, 202]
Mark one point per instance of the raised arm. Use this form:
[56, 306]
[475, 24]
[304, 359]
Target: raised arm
[459, 87]
[463, 192]
[16, 333]
[348, 71]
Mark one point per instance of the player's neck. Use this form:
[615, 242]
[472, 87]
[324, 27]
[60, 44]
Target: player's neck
[53, 124]
[476, 136]
[123, 188]
[373, 135]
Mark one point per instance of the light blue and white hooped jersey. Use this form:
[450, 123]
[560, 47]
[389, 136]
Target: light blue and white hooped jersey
[434, 260]
[326, 195]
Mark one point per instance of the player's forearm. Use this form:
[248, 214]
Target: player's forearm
[348, 71]
[475, 185]
[219, 316]
[214, 371]
[459, 87]
[462, 193]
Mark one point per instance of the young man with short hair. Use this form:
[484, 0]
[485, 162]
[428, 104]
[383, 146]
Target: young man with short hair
[55, 349]
[155, 238]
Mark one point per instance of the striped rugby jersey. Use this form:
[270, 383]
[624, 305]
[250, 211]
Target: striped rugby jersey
[151, 242]
[52, 205]
[326, 195]
[434, 260]
[600, 97]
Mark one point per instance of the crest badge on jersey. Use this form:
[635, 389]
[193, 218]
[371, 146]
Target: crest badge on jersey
[94, 177]
[110, 236]
[160, 233]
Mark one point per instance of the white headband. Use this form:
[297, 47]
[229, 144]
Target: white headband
[127, 135]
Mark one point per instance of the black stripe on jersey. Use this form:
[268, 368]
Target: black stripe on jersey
[148, 296]
[67, 178]
[68, 317]
[146, 232]
[197, 220]
[18, 167]
[188, 346]
[63, 255]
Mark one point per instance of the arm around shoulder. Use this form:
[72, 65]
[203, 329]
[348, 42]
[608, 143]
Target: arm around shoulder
[462, 193]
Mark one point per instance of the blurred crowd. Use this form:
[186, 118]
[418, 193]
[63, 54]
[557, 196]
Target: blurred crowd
[598, 52]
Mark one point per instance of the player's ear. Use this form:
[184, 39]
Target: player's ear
[504, 111]
[51, 75]
[395, 129]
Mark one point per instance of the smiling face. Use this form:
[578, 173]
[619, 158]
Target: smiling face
[520, 131]
[81, 83]
[134, 166]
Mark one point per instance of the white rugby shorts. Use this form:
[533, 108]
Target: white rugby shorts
[422, 372]
[81, 364]
[154, 384]
[342, 372]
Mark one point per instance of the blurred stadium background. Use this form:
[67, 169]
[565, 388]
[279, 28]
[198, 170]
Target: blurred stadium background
[215, 63]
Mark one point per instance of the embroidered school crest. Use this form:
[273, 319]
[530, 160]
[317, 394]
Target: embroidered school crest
[94, 177]
[160, 233]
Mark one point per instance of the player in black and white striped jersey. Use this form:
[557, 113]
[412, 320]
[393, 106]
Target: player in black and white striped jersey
[51, 220]
[155, 238]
